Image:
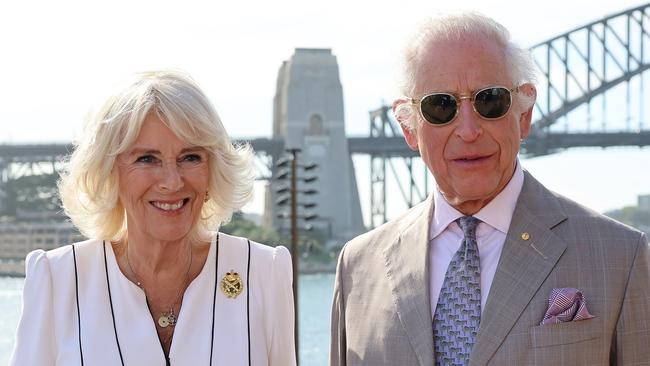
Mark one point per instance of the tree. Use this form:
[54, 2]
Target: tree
[311, 242]
[32, 193]
[634, 216]
[239, 226]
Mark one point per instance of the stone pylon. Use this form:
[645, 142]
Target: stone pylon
[308, 114]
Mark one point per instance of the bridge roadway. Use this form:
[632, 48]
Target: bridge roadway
[29, 153]
[386, 146]
[381, 146]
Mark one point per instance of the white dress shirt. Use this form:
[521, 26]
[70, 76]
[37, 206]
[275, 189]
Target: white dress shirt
[445, 236]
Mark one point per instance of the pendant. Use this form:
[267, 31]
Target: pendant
[231, 284]
[167, 319]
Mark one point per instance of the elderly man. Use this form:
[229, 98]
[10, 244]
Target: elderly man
[493, 268]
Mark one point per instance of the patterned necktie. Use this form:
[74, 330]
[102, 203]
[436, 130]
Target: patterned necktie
[458, 313]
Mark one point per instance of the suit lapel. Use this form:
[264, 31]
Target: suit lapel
[523, 266]
[408, 276]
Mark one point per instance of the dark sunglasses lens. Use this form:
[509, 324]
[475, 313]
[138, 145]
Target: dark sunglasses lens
[438, 108]
[492, 102]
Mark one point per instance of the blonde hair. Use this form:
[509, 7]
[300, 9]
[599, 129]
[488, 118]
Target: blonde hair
[89, 184]
[455, 27]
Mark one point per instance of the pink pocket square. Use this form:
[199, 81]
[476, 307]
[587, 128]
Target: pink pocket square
[566, 305]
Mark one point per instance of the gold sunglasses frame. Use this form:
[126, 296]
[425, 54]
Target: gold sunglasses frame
[459, 99]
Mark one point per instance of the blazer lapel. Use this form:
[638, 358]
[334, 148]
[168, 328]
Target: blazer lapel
[408, 275]
[526, 261]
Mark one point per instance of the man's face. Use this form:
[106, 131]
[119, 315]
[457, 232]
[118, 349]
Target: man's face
[472, 159]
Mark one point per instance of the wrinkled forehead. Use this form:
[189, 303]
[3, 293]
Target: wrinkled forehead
[461, 65]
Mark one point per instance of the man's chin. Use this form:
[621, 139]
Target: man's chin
[471, 197]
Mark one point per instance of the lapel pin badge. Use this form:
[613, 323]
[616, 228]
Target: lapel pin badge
[525, 236]
[231, 284]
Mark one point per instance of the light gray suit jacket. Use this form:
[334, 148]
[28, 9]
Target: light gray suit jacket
[381, 313]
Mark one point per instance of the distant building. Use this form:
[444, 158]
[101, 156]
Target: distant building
[635, 216]
[644, 201]
[19, 237]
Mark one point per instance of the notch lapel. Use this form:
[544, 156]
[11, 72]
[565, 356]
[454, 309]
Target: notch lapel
[522, 268]
[408, 275]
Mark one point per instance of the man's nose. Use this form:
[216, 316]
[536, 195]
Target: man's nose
[171, 178]
[468, 124]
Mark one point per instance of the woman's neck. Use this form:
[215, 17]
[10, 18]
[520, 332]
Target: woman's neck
[156, 258]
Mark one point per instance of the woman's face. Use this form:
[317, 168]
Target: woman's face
[163, 182]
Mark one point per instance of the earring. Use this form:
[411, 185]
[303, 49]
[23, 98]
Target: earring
[207, 197]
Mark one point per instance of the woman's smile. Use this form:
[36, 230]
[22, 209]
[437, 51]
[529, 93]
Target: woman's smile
[170, 206]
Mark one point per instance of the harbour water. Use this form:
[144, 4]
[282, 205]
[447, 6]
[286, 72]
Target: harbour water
[315, 294]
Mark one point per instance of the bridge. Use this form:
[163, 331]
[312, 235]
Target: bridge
[591, 93]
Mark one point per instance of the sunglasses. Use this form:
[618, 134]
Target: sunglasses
[442, 108]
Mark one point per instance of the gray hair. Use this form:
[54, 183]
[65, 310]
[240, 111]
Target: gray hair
[89, 184]
[455, 27]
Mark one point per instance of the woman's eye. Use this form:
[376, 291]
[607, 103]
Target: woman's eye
[145, 159]
[192, 158]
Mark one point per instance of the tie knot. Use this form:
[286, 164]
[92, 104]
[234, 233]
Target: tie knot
[468, 224]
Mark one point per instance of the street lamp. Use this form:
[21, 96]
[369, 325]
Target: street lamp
[288, 167]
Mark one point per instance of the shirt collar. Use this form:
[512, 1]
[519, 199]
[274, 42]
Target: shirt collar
[497, 213]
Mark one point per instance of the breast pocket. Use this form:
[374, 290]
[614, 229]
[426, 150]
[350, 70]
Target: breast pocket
[566, 333]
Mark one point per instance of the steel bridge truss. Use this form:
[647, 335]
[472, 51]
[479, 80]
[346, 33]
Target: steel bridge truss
[584, 70]
[384, 128]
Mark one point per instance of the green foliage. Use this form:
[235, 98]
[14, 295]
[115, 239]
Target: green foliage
[32, 193]
[634, 216]
[311, 243]
[239, 226]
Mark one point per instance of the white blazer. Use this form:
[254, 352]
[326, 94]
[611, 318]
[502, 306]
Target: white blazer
[212, 329]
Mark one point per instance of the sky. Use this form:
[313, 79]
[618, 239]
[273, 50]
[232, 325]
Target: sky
[60, 57]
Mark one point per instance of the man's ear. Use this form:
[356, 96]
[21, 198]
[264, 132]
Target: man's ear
[528, 104]
[403, 113]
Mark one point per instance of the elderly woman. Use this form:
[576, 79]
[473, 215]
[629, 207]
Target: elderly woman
[152, 176]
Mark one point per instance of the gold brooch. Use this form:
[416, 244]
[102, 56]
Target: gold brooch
[231, 284]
